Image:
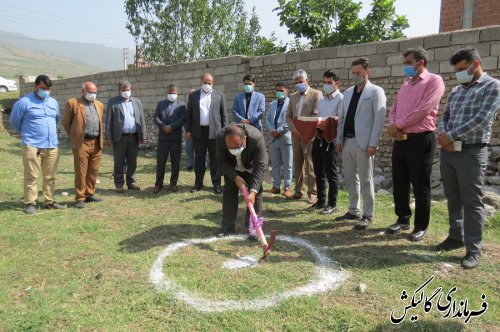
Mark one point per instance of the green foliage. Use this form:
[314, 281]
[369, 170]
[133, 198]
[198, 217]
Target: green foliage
[337, 22]
[186, 30]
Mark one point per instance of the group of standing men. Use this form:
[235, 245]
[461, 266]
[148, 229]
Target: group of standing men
[238, 151]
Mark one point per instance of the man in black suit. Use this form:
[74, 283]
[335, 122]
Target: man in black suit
[242, 159]
[125, 129]
[206, 116]
[170, 116]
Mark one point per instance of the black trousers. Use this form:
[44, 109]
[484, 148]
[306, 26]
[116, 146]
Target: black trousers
[200, 151]
[125, 153]
[230, 199]
[324, 159]
[164, 149]
[412, 163]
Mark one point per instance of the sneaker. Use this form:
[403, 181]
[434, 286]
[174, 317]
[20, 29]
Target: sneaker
[315, 207]
[55, 206]
[348, 216]
[329, 210]
[471, 261]
[30, 209]
[274, 191]
[80, 204]
[287, 193]
[92, 199]
[449, 244]
[363, 223]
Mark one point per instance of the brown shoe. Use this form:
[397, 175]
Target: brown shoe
[274, 191]
[133, 186]
[119, 189]
[174, 189]
[157, 189]
[287, 193]
[297, 195]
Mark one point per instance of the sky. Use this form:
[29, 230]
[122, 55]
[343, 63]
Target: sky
[103, 21]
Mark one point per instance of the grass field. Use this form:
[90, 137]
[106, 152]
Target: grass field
[89, 269]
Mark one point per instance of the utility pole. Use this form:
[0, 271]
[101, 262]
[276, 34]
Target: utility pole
[125, 58]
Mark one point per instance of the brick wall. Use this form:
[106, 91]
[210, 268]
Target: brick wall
[485, 13]
[452, 12]
[149, 84]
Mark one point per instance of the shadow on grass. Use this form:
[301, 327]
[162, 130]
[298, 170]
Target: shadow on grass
[424, 326]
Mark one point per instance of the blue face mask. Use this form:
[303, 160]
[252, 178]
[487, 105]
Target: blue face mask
[44, 94]
[248, 88]
[301, 87]
[409, 71]
[464, 77]
[280, 95]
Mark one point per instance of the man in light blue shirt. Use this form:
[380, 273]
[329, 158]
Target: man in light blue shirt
[35, 116]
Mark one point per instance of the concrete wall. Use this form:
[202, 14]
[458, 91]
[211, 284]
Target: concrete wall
[149, 84]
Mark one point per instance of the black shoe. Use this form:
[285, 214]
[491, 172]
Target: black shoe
[189, 169]
[224, 231]
[471, 261]
[398, 227]
[363, 223]
[92, 199]
[30, 209]
[315, 207]
[449, 244]
[80, 204]
[417, 235]
[348, 216]
[252, 237]
[55, 206]
[218, 190]
[196, 189]
[329, 210]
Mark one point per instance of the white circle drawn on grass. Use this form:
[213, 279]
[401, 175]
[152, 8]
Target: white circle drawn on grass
[328, 276]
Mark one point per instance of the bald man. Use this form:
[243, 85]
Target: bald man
[83, 121]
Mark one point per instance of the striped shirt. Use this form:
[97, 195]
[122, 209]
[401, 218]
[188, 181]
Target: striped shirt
[470, 111]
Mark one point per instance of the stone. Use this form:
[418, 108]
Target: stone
[490, 211]
[494, 180]
[383, 192]
[362, 287]
[495, 153]
[490, 34]
[435, 184]
[438, 192]
[491, 198]
[465, 37]
[386, 183]
[438, 40]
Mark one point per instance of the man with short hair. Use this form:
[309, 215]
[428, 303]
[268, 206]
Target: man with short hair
[242, 159]
[125, 130]
[303, 102]
[248, 106]
[412, 121]
[358, 134]
[464, 133]
[280, 148]
[169, 117]
[206, 116]
[323, 151]
[35, 116]
[83, 121]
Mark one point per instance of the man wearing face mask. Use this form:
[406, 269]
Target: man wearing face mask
[248, 106]
[303, 102]
[280, 148]
[125, 130]
[464, 133]
[242, 159]
[35, 116]
[83, 121]
[323, 152]
[412, 121]
[169, 117]
[358, 134]
[206, 116]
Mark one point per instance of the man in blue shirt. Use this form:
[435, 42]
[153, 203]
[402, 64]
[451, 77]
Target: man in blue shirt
[248, 106]
[35, 116]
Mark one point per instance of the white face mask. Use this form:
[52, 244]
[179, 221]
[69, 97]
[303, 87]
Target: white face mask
[464, 77]
[328, 88]
[237, 151]
[126, 94]
[172, 97]
[206, 88]
[90, 96]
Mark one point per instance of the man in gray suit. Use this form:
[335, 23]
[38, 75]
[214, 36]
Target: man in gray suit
[125, 130]
[280, 148]
[358, 134]
[206, 116]
[169, 117]
[242, 159]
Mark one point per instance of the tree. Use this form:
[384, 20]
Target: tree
[336, 22]
[186, 30]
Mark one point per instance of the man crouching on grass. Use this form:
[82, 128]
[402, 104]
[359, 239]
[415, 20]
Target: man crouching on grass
[242, 159]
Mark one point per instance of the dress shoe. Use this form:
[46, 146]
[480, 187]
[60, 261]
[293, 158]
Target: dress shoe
[449, 244]
[287, 193]
[92, 199]
[174, 188]
[196, 189]
[225, 231]
[218, 190]
[315, 207]
[417, 235]
[397, 227]
[471, 261]
[329, 210]
[133, 186]
[252, 236]
[119, 189]
[312, 199]
[157, 189]
[189, 169]
[80, 204]
[55, 206]
[297, 196]
[274, 191]
[363, 223]
[30, 209]
[348, 216]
